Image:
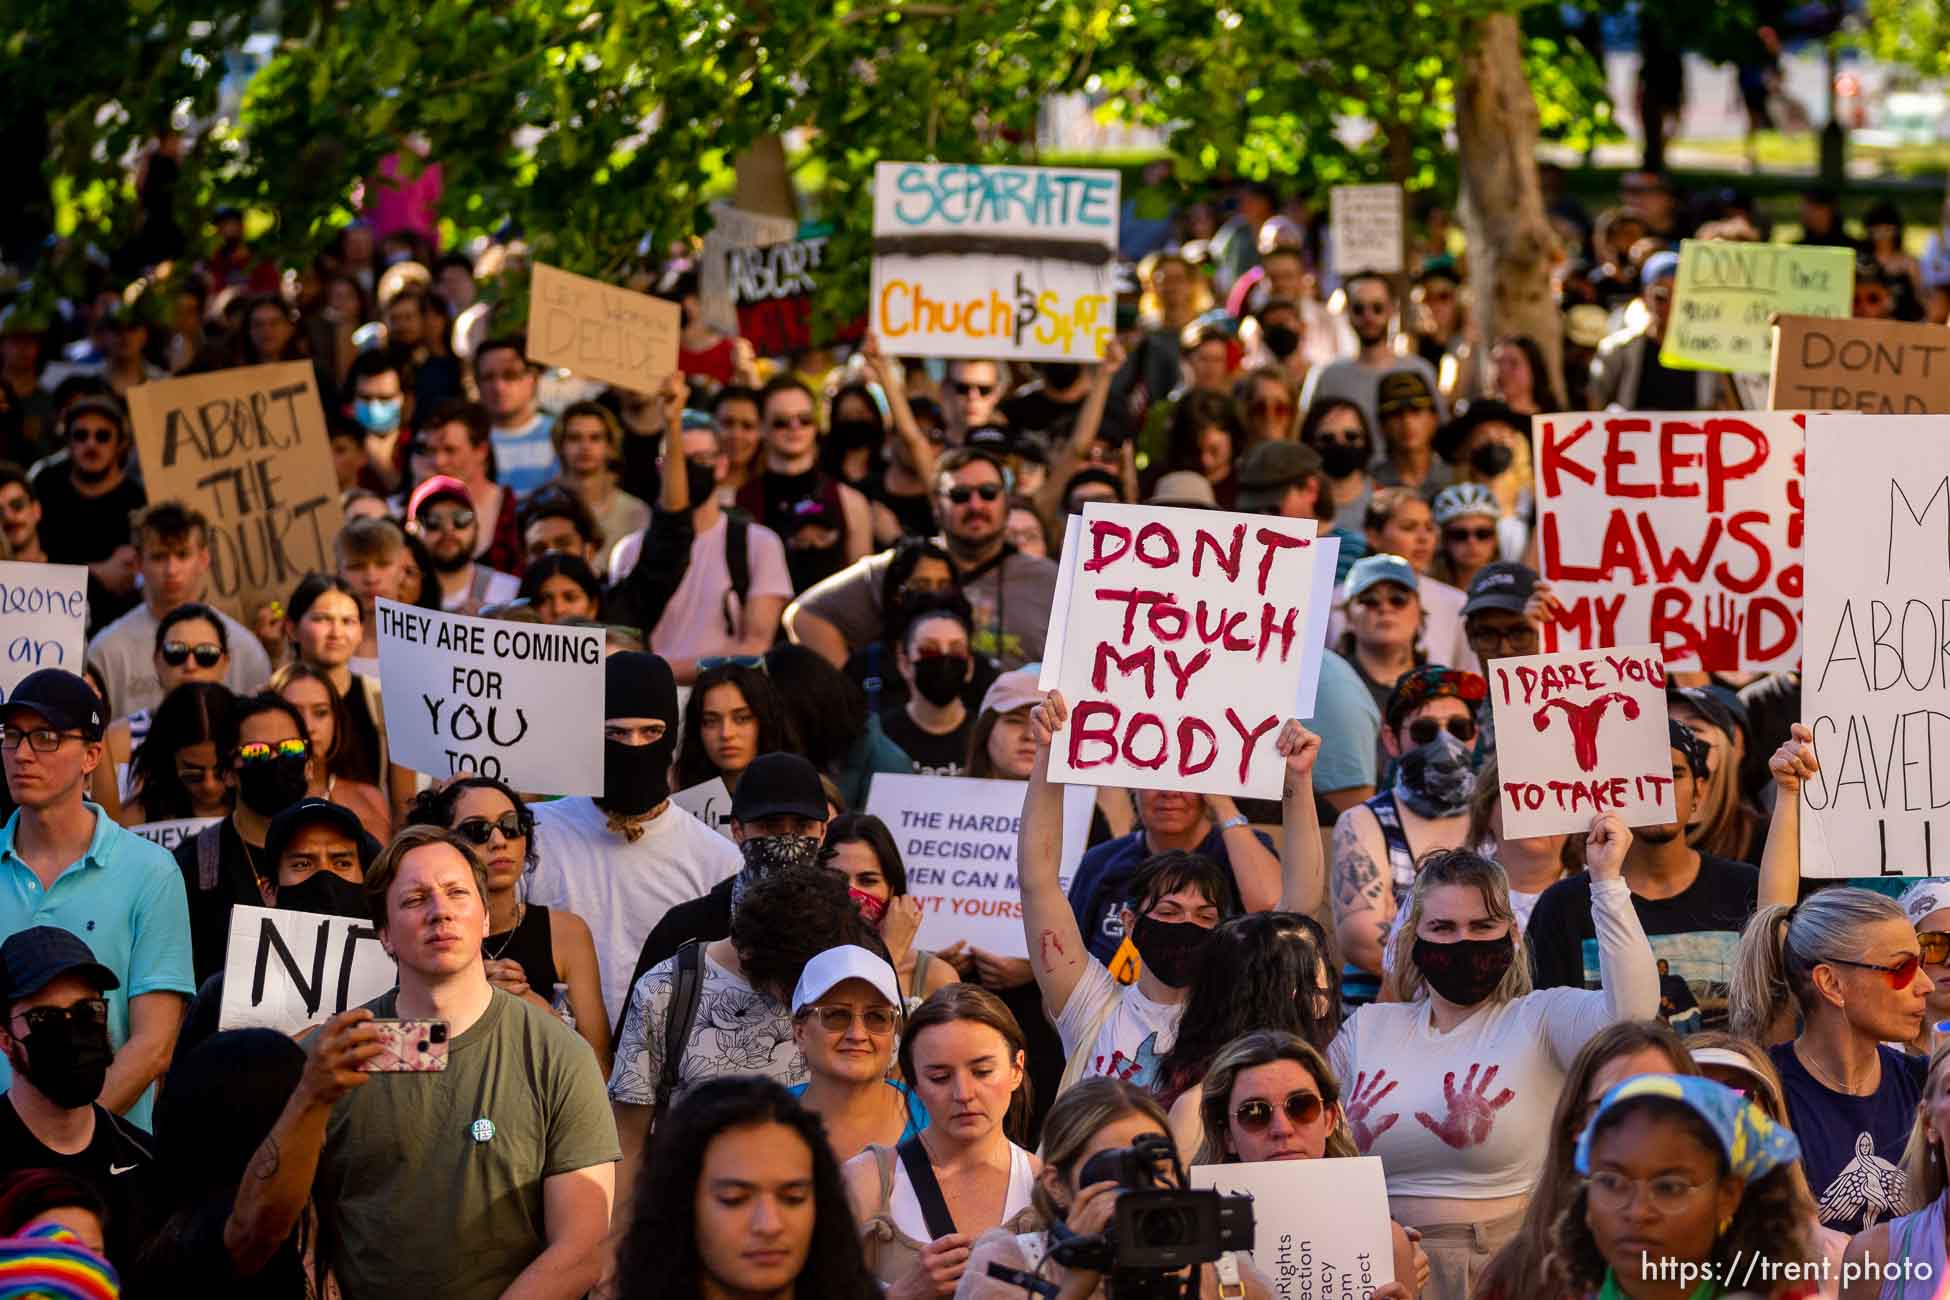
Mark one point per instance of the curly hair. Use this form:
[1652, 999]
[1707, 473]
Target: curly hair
[694, 766]
[436, 805]
[790, 916]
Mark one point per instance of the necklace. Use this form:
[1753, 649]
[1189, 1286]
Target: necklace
[1822, 1077]
[521, 909]
[264, 888]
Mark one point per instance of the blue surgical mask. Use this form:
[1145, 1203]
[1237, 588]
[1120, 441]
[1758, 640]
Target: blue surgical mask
[377, 415]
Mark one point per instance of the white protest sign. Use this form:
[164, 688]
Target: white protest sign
[1185, 648]
[44, 613]
[978, 261]
[1578, 733]
[171, 833]
[1682, 529]
[1875, 680]
[1320, 1227]
[518, 701]
[289, 970]
[710, 803]
[1365, 224]
[957, 839]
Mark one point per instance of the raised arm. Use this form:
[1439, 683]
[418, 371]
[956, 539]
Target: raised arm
[1303, 870]
[1363, 901]
[1780, 859]
[1255, 867]
[1626, 968]
[1090, 418]
[886, 372]
[1056, 952]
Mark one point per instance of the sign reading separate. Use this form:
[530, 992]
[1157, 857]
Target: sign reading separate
[1320, 1227]
[1579, 733]
[600, 331]
[1727, 294]
[1882, 366]
[289, 971]
[1875, 681]
[957, 837]
[1184, 648]
[169, 834]
[248, 448]
[976, 261]
[518, 701]
[43, 619]
[710, 803]
[1679, 529]
[1366, 225]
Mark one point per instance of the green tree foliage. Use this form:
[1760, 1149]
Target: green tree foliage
[1916, 32]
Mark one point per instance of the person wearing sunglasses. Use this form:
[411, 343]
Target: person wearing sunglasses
[191, 645]
[442, 513]
[1927, 904]
[1370, 300]
[824, 524]
[86, 503]
[846, 1021]
[1270, 399]
[1466, 518]
[971, 395]
[1911, 1247]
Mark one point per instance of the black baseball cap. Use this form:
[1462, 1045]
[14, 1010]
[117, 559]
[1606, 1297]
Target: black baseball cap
[779, 783]
[34, 958]
[65, 700]
[317, 812]
[1504, 585]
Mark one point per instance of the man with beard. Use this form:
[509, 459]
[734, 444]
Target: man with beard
[442, 514]
[1692, 905]
[623, 860]
[1370, 308]
[86, 502]
[453, 441]
[67, 864]
[824, 524]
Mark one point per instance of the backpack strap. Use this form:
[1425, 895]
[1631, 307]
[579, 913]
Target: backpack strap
[737, 559]
[934, 1207]
[209, 857]
[680, 1013]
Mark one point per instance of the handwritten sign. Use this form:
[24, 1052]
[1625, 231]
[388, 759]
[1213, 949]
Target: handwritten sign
[1185, 648]
[248, 448]
[1875, 682]
[291, 970]
[43, 619]
[772, 287]
[731, 228]
[1679, 529]
[1365, 222]
[600, 331]
[518, 701]
[1580, 733]
[1727, 294]
[1320, 1227]
[710, 803]
[975, 261]
[1884, 366]
[957, 837]
[169, 834]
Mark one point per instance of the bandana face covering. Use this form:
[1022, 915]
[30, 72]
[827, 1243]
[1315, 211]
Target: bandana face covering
[1435, 780]
[765, 854]
[871, 909]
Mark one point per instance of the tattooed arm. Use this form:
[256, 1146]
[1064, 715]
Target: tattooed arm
[1056, 953]
[1363, 902]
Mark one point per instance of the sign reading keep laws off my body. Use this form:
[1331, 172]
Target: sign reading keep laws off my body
[974, 261]
[518, 701]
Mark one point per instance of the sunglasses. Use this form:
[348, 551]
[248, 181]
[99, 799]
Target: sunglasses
[960, 495]
[837, 1020]
[1935, 945]
[83, 434]
[1256, 1116]
[1349, 436]
[177, 653]
[1375, 600]
[1423, 730]
[1900, 976]
[447, 521]
[708, 662]
[1469, 534]
[793, 421]
[966, 389]
[477, 830]
[258, 751]
[85, 1014]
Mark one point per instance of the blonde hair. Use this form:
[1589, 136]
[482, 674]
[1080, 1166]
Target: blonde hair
[1923, 1156]
[1781, 946]
[1079, 1114]
[1456, 867]
[1249, 1051]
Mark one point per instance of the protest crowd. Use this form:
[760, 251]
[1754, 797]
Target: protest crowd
[842, 878]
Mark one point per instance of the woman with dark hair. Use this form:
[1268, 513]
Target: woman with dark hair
[542, 955]
[854, 449]
[33, 1200]
[1206, 437]
[1338, 430]
[324, 623]
[827, 711]
[313, 694]
[176, 772]
[740, 1197]
[192, 645]
[920, 576]
[417, 584]
[1520, 378]
[562, 588]
[734, 715]
[860, 847]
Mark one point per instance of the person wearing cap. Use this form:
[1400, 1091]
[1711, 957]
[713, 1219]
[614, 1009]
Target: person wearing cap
[622, 859]
[322, 852]
[1382, 623]
[1407, 415]
[1488, 444]
[1585, 327]
[87, 499]
[442, 514]
[453, 440]
[1627, 374]
[1399, 522]
[1370, 301]
[1502, 616]
[66, 863]
[846, 1021]
[1280, 478]
[55, 1038]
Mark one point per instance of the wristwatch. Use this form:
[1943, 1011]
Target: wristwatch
[1237, 819]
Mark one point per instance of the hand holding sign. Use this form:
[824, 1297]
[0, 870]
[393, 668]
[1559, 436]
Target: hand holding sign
[1794, 762]
[1606, 845]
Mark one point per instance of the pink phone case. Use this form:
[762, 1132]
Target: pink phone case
[410, 1047]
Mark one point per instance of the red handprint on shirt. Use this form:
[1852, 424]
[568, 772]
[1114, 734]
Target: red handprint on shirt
[1471, 1109]
[1361, 1103]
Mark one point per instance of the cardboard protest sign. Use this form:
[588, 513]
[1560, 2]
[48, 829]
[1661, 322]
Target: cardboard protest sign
[169, 834]
[710, 803]
[1679, 529]
[1184, 648]
[1885, 366]
[518, 701]
[1727, 294]
[1365, 222]
[1320, 1227]
[43, 619]
[290, 970]
[248, 448]
[732, 227]
[600, 331]
[978, 261]
[1579, 733]
[957, 837]
[771, 287]
[1875, 679]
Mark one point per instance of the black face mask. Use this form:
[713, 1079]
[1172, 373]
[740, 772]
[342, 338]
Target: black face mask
[940, 678]
[1340, 459]
[1170, 949]
[1281, 340]
[703, 481]
[1060, 374]
[270, 787]
[636, 778]
[67, 1062]
[1466, 971]
[324, 894]
[1491, 459]
[853, 434]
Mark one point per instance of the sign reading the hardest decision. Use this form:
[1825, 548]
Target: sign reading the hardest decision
[1875, 678]
[518, 701]
[600, 331]
[1580, 733]
[1366, 223]
[248, 448]
[1727, 294]
[1885, 367]
[1679, 529]
[1184, 649]
[43, 619]
[288, 970]
[976, 261]
[1320, 1227]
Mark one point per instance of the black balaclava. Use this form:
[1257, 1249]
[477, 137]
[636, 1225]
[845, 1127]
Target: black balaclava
[636, 778]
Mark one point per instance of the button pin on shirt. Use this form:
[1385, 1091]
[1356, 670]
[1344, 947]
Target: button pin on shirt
[481, 1130]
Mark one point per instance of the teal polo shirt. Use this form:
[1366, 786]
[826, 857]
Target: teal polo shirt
[123, 898]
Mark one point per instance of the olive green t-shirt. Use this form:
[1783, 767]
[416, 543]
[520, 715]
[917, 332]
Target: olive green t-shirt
[431, 1184]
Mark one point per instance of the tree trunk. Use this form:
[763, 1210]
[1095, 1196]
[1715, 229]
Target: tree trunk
[1511, 243]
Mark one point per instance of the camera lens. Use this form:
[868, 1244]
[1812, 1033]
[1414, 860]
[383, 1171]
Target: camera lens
[438, 1033]
[1162, 1228]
